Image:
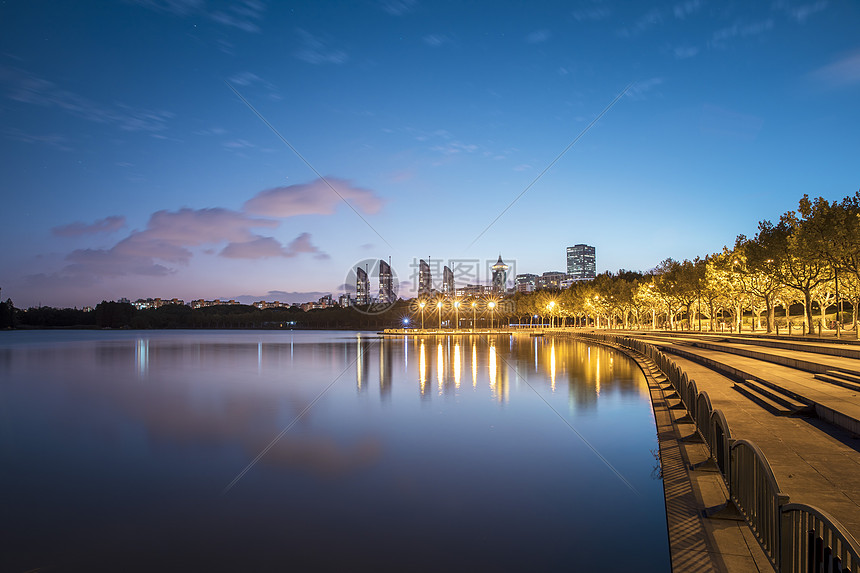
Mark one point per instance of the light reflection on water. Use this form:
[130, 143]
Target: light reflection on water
[435, 466]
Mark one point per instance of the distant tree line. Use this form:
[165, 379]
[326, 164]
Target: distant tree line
[125, 315]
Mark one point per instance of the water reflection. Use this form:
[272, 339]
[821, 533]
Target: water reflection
[91, 443]
[500, 361]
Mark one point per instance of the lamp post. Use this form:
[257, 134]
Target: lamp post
[421, 305]
[474, 304]
[491, 305]
[551, 307]
[457, 314]
[439, 306]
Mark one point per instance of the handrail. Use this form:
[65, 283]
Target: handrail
[703, 417]
[720, 444]
[756, 493]
[813, 540]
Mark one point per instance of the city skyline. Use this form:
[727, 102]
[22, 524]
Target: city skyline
[259, 150]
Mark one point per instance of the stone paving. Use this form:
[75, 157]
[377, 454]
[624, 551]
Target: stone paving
[814, 461]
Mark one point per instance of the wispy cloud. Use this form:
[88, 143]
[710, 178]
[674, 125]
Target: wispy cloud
[24, 87]
[685, 52]
[640, 88]
[538, 37]
[79, 229]
[741, 30]
[842, 72]
[245, 15]
[314, 198]
[592, 13]
[55, 140]
[801, 12]
[650, 19]
[437, 40]
[398, 7]
[684, 9]
[318, 50]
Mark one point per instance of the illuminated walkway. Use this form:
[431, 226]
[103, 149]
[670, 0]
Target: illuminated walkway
[815, 459]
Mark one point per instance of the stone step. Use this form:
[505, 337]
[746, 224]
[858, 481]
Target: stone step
[839, 379]
[762, 396]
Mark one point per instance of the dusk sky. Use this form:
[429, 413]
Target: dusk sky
[133, 168]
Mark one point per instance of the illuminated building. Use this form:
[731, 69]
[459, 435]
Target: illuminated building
[386, 289]
[526, 282]
[424, 278]
[447, 281]
[500, 277]
[362, 287]
[581, 262]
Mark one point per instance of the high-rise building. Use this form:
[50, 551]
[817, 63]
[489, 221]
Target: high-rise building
[424, 278]
[362, 287]
[581, 262]
[386, 288]
[447, 281]
[500, 277]
[526, 282]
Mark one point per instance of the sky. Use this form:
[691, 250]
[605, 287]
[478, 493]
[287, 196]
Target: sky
[256, 150]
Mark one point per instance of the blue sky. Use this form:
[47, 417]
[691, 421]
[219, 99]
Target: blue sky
[133, 169]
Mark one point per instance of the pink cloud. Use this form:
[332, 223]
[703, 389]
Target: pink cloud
[314, 198]
[78, 229]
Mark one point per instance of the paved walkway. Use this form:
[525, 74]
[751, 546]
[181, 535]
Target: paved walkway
[813, 461]
[696, 543]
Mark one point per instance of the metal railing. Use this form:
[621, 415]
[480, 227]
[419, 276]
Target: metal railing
[797, 538]
[810, 542]
[755, 492]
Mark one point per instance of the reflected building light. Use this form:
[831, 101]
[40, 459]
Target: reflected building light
[597, 376]
[536, 354]
[552, 365]
[474, 365]
[406, 354]
[440, 366]
[381, 366]
[457, 366]
[359, 359]
[492, 366]
[259, 357]
[141, 356]
[422, 368]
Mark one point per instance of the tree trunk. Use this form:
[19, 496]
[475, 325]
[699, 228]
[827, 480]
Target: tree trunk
[807, 308]
[771, 313]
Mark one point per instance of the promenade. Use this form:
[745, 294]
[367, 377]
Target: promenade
[797, 399]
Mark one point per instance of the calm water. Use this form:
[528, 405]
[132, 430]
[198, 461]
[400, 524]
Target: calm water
[123, 451]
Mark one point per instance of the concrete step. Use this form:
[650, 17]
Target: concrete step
[840, 379]
[764, 397]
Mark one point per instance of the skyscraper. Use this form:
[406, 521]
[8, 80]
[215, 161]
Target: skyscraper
[500, 277]
[447, 281]
[362, 287]
[386, 289]
[581, 262]
[424, 279]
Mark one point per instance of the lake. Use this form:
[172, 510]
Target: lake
[324, 451]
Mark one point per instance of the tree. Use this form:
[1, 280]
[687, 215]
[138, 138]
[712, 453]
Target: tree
[797, 263]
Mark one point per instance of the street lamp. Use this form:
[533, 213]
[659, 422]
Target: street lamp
[421, 305]
[457, 314]
[551, 307]
[474, 304]
[491, 305]
[439, 306]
